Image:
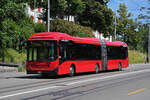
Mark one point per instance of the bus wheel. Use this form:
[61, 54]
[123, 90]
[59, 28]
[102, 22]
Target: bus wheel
[72, 71]
[97, 69]
[120, 67]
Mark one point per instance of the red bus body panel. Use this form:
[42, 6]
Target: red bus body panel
[81, 66]
[43, 66]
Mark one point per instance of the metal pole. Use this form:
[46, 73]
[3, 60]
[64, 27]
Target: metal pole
[34, 11]
[149, 41]
[115, 27]
[48, 16]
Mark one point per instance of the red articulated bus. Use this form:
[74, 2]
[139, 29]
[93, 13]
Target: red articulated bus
[54, 53]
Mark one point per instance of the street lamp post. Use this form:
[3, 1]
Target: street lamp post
[115, 27]
[149, 41]
[48, 17]
[34, 11]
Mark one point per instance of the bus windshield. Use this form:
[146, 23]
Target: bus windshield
[42, 50]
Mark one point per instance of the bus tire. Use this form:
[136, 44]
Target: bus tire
[72, 71]
[120, 67]
[97, 69]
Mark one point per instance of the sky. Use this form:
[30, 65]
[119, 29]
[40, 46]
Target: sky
[132, 5]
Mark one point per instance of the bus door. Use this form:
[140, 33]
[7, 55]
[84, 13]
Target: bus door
[64, 56]
[64, 52]
[104, 55]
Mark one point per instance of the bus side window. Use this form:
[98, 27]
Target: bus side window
[61, 50]
[62, 53]
[124, 53]
[29, 55]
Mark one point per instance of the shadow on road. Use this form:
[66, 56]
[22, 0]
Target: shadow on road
[37, 76]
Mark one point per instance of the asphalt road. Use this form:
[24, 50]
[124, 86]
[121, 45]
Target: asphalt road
[132, 83]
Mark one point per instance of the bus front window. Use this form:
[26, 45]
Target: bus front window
[42, 51]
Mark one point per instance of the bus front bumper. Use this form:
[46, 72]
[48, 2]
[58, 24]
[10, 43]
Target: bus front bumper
[51, 73]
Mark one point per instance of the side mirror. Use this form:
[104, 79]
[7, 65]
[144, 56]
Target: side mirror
[22, 44]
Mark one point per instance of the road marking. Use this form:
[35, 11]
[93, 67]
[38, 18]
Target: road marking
[137, 91]
[37, 90]
[76, 82]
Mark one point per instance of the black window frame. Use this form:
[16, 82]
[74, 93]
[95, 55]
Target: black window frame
[79, 51]
[117, 52]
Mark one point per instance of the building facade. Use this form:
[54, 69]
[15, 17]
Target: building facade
[35, 13]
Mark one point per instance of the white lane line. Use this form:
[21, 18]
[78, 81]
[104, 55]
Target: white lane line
[37, 90]
[77, 82]
[107, 77]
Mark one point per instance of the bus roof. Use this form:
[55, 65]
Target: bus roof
[64, 36]
[49, 36]
[116, 43]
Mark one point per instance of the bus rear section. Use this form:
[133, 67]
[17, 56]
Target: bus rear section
[117, 55]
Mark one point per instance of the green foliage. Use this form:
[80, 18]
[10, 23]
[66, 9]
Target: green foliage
[22, 68]
[126, 27]
[9, 9]
[40, 27]
[136, 57]
[13, 32]
[74, 7]
[97, 16]
[142, 38]
[57, 8]
[26, 28]
[70, 28]
[90, 13]
[145, 12]
[130, 31]
[14, 56]
[15, 26]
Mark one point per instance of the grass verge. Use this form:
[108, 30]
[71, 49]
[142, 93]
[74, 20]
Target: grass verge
[136, 57]
[22, 68]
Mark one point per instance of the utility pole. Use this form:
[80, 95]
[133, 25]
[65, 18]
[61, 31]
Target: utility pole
[149, 41]
[34, 11]
[48, 16]
[115, 27]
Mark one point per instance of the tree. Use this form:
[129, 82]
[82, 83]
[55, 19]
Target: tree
[74, 7]
[15, 25]
[91, 13]
[126, 26]
[40, 27]
[142, 43]
[10, 9]
[144, 13]
[59, 25]
[97, 16]
[104, 2]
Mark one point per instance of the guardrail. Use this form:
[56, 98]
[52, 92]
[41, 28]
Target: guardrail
[10, 64]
